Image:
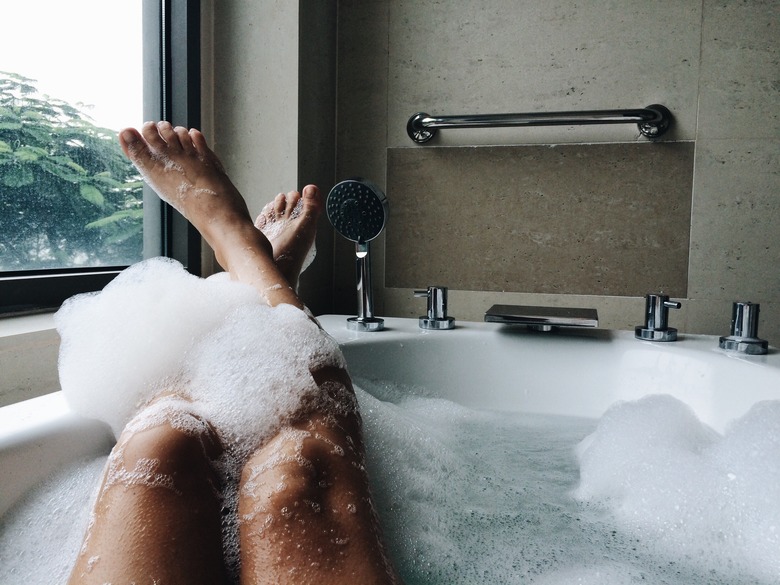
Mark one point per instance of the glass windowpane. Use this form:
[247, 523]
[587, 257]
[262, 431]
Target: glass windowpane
[70, 78]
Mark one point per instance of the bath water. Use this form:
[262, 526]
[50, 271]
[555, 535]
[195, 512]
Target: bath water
[41, 535]
[651, 495]
[468, 496]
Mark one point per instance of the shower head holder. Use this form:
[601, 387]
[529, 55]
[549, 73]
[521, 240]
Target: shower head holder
[358, 210]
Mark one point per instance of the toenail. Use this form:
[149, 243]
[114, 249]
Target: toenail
[129, 136]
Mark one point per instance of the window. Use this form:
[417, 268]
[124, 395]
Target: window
[73, 211]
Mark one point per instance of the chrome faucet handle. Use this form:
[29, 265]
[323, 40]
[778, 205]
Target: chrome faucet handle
[656, 327]
[437, 309]
[744, 330]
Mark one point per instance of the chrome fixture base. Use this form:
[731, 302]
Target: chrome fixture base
[749, 346]
[744, 330]
[437, 324]
[365, 324]
[668, 334]
[542, 318]
[543, 328]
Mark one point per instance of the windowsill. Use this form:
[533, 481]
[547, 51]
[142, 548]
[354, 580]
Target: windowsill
[29, 346]
[16, 326]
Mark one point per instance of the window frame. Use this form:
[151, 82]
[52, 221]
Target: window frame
[171, 78]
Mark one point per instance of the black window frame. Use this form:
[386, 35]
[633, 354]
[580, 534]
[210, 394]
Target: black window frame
[171, 57]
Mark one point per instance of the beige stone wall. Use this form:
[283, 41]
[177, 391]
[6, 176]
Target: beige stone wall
[715, 65]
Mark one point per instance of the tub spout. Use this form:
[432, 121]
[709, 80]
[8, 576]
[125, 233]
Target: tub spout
[542, 318]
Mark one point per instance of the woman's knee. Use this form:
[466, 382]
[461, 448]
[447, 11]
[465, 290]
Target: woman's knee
[177, 446]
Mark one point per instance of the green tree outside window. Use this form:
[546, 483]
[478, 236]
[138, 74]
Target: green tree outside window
[68, 196]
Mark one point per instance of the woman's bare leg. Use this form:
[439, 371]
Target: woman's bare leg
[157, 518]
[305, 510]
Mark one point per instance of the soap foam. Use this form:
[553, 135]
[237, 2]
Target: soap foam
[122, 344]
[466, 496]
[687, 491]
[41, 535]
[157, 329]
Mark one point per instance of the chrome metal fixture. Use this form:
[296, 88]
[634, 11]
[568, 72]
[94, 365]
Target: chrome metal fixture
[437, 309]
[744, 330]
[358, 210]
[542, 318]
[656, 327]
[652, 121]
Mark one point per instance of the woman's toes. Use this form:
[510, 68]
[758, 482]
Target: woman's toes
[199, 142]
[266, 215]
[183, 136]
[279, 204]
[312, 200]
[293, 199]
[151, 134]
[168, 134]
[135, 147]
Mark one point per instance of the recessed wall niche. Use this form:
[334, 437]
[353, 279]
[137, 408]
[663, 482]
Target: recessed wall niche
[592, 219]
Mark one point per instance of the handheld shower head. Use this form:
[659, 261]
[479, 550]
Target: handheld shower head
[357, 209]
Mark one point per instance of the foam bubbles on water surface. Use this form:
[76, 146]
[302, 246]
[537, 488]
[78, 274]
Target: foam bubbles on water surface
[478, 497]
[686, 490]
[156, 329]
[467, 496]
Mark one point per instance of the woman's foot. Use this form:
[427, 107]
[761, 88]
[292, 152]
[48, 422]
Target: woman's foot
[290, 224]
[178, 164]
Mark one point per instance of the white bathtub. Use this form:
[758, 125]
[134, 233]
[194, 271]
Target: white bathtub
[575, 372]
[484, 365]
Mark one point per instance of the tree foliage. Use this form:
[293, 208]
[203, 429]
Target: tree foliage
[68, 195]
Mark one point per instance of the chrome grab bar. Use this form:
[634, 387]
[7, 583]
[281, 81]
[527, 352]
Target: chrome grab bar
[653, 121]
